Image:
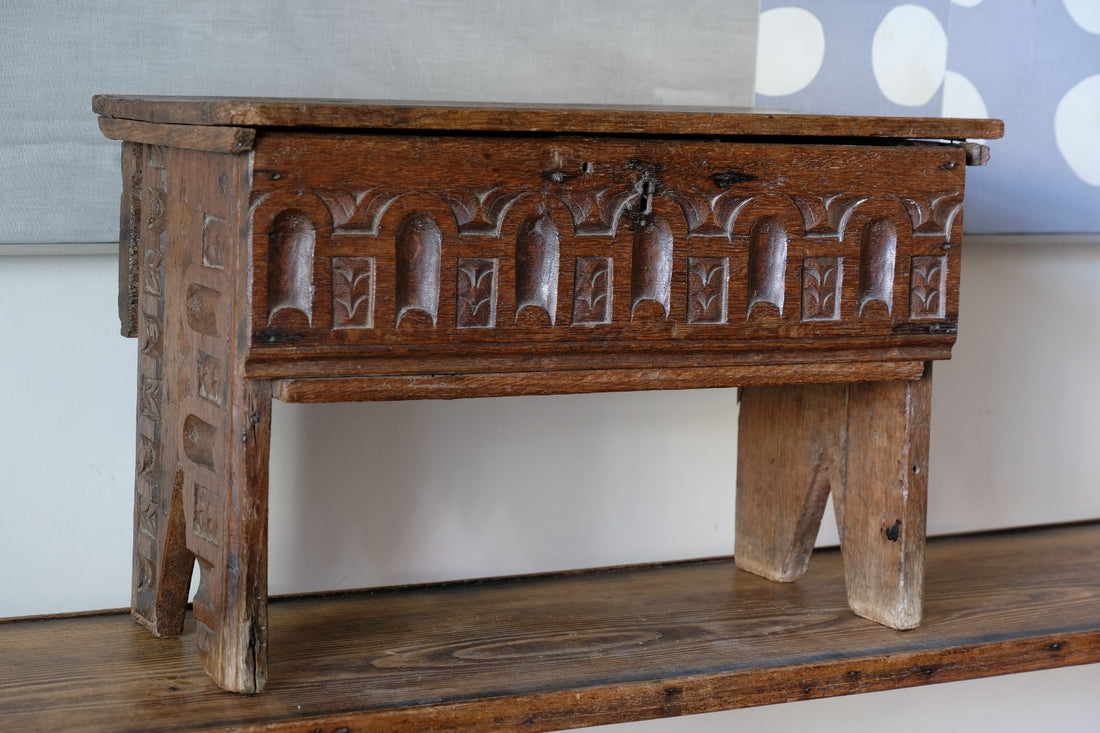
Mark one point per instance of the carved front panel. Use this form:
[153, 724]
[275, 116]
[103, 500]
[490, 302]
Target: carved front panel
[597, 245]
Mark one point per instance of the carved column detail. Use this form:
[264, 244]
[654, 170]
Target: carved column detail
[708, 286]
[822, 278]
[150, 491]
[476, 293]
[927, 284]
[592, 290]
[538, 247]
[651, 264]
[877, 250]
[767, 263]
[419, 250]
[290, 264]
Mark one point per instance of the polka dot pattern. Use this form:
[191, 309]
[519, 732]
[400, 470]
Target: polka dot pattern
[1034, 64]
[789, 50]
[909, 55]
[961, 98]
[1077, 129]
[1085, 13]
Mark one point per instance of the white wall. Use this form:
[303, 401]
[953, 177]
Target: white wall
[421, 491]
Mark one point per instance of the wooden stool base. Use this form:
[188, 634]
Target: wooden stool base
[867, 445]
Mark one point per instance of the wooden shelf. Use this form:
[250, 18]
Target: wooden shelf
[561, 651]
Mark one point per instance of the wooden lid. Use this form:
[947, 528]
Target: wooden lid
[517, 118]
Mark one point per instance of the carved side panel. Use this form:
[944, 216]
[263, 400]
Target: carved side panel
[592, 289]
[353, 286]
[149, 488]
[822, 280]
[419, 250]
[202, 309]
[291, 240]
[877, 251]
[215, 236]
[538, 249]
[767, 263]
[651, 264]
[198, 440]
[206, 520]
[708, 288]
[927, 286]
[476, 293]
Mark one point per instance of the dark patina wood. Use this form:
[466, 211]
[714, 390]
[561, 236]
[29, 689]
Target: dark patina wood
[551, 652]
[328, 251]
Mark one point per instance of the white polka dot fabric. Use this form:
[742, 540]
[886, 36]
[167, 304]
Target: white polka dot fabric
[1036, 65]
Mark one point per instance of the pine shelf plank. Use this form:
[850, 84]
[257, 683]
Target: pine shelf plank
[569, 650]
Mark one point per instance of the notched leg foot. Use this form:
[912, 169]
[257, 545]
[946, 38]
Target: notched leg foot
[789, 456]
[866, 443]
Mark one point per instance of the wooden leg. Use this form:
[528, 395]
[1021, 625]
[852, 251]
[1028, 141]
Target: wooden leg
[881, 508]
[227, 531]
[789, 456]
[868, 444]
[162, 562]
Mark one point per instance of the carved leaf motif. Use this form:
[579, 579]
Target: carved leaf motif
[353, 283]
[357, 212]
[147, 517]
[147, 455]
[708, 280]
[150, 397]
[476, 293]
[933, 217]
[481, 213]
[827, 216]
[821, 283]
[206, 524]
[157, 209]
[592, 290]
[152, 280]
[926, 286]
[597, 213]
[150, 337]
[709, 214]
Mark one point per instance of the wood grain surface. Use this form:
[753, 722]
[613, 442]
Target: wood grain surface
[552, 652]
[351, 250]
[560, 253]
[271, 112]
[192, 137]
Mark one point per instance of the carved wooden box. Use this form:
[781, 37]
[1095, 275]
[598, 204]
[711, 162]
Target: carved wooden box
[327, 251]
